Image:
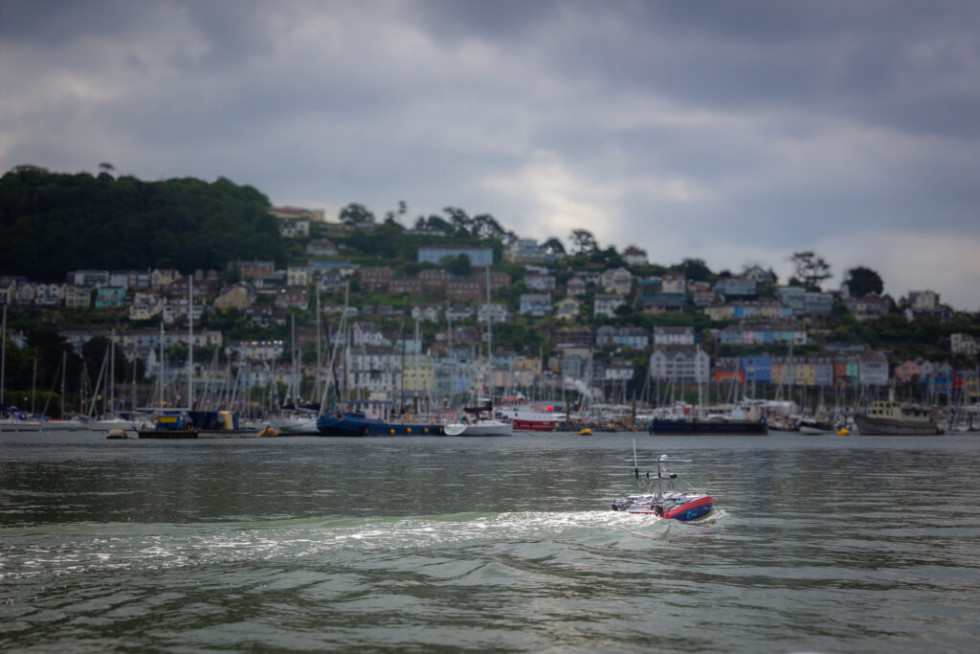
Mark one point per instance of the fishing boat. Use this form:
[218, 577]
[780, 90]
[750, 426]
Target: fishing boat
[891, 418]
[669, 503]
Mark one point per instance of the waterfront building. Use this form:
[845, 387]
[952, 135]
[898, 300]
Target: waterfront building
[680, 364]
[757, 368]
[873, 369]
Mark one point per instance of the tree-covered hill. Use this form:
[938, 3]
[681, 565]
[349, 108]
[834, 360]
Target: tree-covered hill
[52, 223]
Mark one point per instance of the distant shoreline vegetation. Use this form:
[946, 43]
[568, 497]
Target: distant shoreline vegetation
[53, 223]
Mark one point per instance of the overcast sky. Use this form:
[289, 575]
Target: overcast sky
[735, 132]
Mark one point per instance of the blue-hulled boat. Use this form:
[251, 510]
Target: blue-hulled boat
[356, 423]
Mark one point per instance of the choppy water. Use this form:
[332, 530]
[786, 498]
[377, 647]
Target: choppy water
[425, 544]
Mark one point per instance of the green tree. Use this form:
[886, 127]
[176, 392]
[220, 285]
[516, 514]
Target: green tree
[863, 281]
[459, 266]
[584, 241]
[356, 215]
[553, 246]
[811, 269]
[696, 270]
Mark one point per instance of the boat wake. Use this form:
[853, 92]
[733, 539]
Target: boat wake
[120, 546]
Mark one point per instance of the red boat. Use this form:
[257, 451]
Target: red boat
[525, 417]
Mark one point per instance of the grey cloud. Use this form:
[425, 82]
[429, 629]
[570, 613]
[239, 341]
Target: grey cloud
[791, 121]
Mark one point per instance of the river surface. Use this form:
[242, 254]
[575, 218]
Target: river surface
[420, 544]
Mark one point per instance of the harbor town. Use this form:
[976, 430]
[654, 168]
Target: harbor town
[594, 335]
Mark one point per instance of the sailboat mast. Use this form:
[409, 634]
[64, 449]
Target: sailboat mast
[190, 343]
[489, 340]
[64, 373]
[3, 354]
[160, 380]
[112, 374]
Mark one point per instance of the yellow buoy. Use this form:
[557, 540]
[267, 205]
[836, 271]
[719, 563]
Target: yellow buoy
[117, 433]
[585, 432]
[409, 430]
[843, 432]
[425, 430]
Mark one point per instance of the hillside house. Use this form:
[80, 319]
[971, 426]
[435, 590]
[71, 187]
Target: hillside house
[616, 281]
[536, 305]
[576, 286]
[635, 256]
[568, 309]
[606, 305]
[237, 296]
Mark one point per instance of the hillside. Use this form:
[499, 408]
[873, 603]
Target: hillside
[52, 223]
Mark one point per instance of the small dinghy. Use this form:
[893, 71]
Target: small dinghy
[664, 502]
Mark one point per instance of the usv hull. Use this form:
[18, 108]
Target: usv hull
[687, 509]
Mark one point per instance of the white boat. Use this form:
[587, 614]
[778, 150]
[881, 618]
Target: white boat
[674, 504]
[482, 423]
[816, 426]
[479, 427]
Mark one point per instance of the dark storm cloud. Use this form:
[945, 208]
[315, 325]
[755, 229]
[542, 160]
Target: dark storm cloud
[768, 126]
